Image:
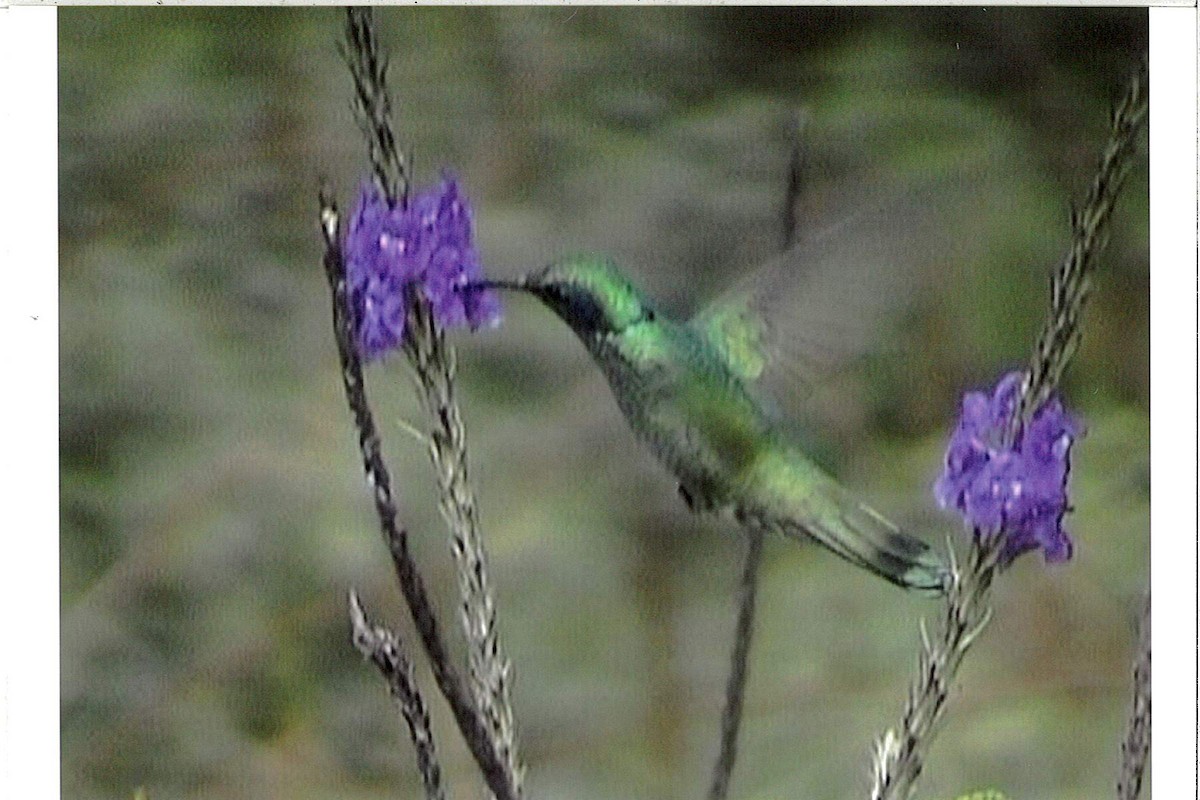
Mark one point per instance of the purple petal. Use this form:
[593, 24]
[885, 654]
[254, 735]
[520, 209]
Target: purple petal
[1005, 398]
[975, 417]
[1056, 543]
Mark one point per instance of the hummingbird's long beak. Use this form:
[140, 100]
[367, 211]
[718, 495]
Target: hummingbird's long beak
[519, 285]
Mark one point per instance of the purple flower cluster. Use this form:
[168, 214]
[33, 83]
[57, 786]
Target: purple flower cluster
[425, 244]
[1021, 490]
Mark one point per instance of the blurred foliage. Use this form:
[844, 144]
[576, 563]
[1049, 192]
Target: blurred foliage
[213, 511]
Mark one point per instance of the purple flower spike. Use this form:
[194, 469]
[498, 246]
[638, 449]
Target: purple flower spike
[1020, 490]
[427, 245]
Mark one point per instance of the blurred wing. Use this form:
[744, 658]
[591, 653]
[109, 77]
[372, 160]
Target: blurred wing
[835, 293]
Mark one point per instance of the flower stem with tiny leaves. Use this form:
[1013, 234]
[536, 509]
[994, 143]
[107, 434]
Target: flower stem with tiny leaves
[433, 362]
[368, 64]
[899, 755]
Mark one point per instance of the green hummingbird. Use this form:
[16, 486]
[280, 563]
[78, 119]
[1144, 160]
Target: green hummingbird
[691, 392]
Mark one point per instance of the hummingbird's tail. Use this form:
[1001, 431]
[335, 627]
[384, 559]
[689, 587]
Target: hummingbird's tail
[862, 536]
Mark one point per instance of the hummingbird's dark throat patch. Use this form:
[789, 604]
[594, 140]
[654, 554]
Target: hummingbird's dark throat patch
[586, 312]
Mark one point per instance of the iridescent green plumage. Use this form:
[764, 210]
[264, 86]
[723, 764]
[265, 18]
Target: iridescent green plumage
[687, 390]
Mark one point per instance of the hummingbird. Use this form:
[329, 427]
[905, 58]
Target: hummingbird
[690, 390]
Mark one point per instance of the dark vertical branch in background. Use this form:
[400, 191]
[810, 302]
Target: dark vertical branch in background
[1135, 749]
[396, 538]
[735, 687]
[797, 165]
[656, 588]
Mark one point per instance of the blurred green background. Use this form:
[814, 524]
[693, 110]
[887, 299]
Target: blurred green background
[213, 511]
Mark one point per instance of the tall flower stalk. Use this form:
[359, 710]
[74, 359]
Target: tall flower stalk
[1006, 465]
[400, 274]
[474, 731]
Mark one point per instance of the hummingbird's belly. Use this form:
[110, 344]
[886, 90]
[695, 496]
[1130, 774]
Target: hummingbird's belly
[698, 420]
[711, 451]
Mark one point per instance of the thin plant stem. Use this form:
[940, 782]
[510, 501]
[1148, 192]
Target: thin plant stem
[1071, 284]
[385, 649]
[735, 687]
[471, 724]
[1135, 749]
[434, 363]
[899, 754]
[900, 757]
[368, 64]
[797, 169]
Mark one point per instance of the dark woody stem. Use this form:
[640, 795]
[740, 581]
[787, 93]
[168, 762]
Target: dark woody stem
[735, 687]
[385, 649]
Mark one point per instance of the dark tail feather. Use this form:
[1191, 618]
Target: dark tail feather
[863, 537]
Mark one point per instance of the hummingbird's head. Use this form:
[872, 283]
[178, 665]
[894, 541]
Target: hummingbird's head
[589, 293]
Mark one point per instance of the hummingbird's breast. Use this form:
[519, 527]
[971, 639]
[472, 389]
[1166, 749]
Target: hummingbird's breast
[695, 414]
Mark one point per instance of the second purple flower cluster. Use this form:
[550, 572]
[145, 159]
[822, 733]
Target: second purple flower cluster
[1022, 489]
[426, 244]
